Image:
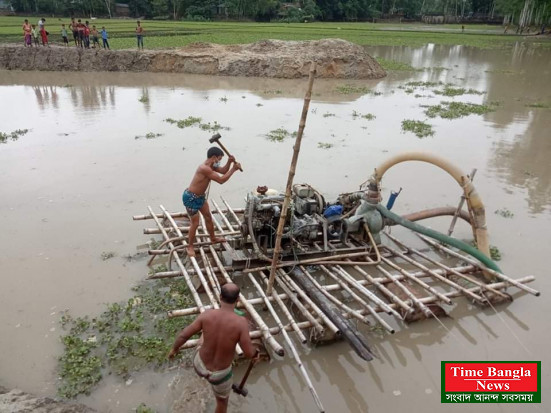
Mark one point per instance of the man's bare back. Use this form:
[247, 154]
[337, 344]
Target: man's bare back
[222, 330]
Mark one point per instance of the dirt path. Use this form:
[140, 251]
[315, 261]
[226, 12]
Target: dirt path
[269, 58]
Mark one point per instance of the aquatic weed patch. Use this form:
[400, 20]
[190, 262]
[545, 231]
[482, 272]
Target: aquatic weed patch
[4, 137]
[395, 65]
[184, 123]
[423, 84]
[368, 116]
[457, 91]
[351, 89]
[454, 110]
[539, 105]
[279, 135]
[504, 212]
[149, 135]
[324, 145]
[419, 128]
[191, 121]
[125, 338]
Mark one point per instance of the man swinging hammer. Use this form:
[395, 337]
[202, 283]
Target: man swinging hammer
[195, 197]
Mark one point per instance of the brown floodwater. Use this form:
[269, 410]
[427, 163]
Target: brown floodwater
[70, 186]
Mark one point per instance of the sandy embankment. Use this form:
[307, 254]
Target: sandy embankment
[268, 58]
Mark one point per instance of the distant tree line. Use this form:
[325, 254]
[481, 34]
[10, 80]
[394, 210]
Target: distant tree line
[523, 12]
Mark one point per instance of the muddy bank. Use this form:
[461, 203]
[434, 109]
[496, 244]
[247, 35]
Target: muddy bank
[19, 401]
[268, 58]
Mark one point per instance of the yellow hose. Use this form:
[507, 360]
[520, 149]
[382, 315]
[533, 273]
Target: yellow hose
[474, 203]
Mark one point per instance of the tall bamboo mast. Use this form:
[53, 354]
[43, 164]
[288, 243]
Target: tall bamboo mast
[296, 150]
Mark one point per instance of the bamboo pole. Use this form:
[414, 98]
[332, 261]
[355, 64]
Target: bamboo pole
[313, 261]
[482, 267]
[173, 214]
[476, 297]
[286, 311]
[379, 284]
[315, 308]
[269, 339]
[192, 259]
[301, 308]
[330, 287]
[406, 291]
[424, 300]
[365, 292]
[344, 307]
[192, 290]
[232, 211]
[460, 207]
[448, 269]
[224, 219]
[418, 281]
[296, 150]
[154, 231]
[174, 274]
[289, 343]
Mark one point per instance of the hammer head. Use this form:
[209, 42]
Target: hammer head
[240, 390]
[215, 138]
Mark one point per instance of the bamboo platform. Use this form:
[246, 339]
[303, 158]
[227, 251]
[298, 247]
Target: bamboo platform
[318, 290]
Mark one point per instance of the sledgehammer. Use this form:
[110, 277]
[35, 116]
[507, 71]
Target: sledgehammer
[216, 138]
[241, 388]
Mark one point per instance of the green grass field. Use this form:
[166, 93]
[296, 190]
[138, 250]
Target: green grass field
[168, 34]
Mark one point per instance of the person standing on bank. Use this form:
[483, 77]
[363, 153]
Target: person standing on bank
[139, 34]
[222, 329]
[194, 197]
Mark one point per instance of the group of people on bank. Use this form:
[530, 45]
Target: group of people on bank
[83, 35]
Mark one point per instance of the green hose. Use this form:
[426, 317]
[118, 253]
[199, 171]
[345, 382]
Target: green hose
[440, 237]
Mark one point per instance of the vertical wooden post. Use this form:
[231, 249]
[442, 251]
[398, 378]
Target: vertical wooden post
[286, 202]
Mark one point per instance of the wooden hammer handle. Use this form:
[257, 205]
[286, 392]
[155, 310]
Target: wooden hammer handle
[246, 376]
[225, 150]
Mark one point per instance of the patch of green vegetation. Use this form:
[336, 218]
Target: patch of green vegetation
[419, 83]
[504, 212]
[351, 89]
[259, 104]
[454, 110]
[172, 33]
[328, 115]
[539, 105]
[144, 99]
[184, 123]
[368, 116]
[154, 243]
[278, 135]
[158, 268]
[272, 92]
[107, 255]
[495, 254]
[457, 91]
[214, 127]
[223, 99]
[143, 408]
[323, 145]
[12, 135]
[149, 135]
[125, 338]
[409, 90]
[419, 128]
[395, 65]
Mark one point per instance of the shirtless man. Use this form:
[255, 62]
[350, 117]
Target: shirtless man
[194, 197]
[222, 330]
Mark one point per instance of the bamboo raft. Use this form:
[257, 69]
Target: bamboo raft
[315, 284]
[318, 290]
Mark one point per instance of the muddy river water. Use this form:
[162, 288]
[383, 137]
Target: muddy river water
[69, 188]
